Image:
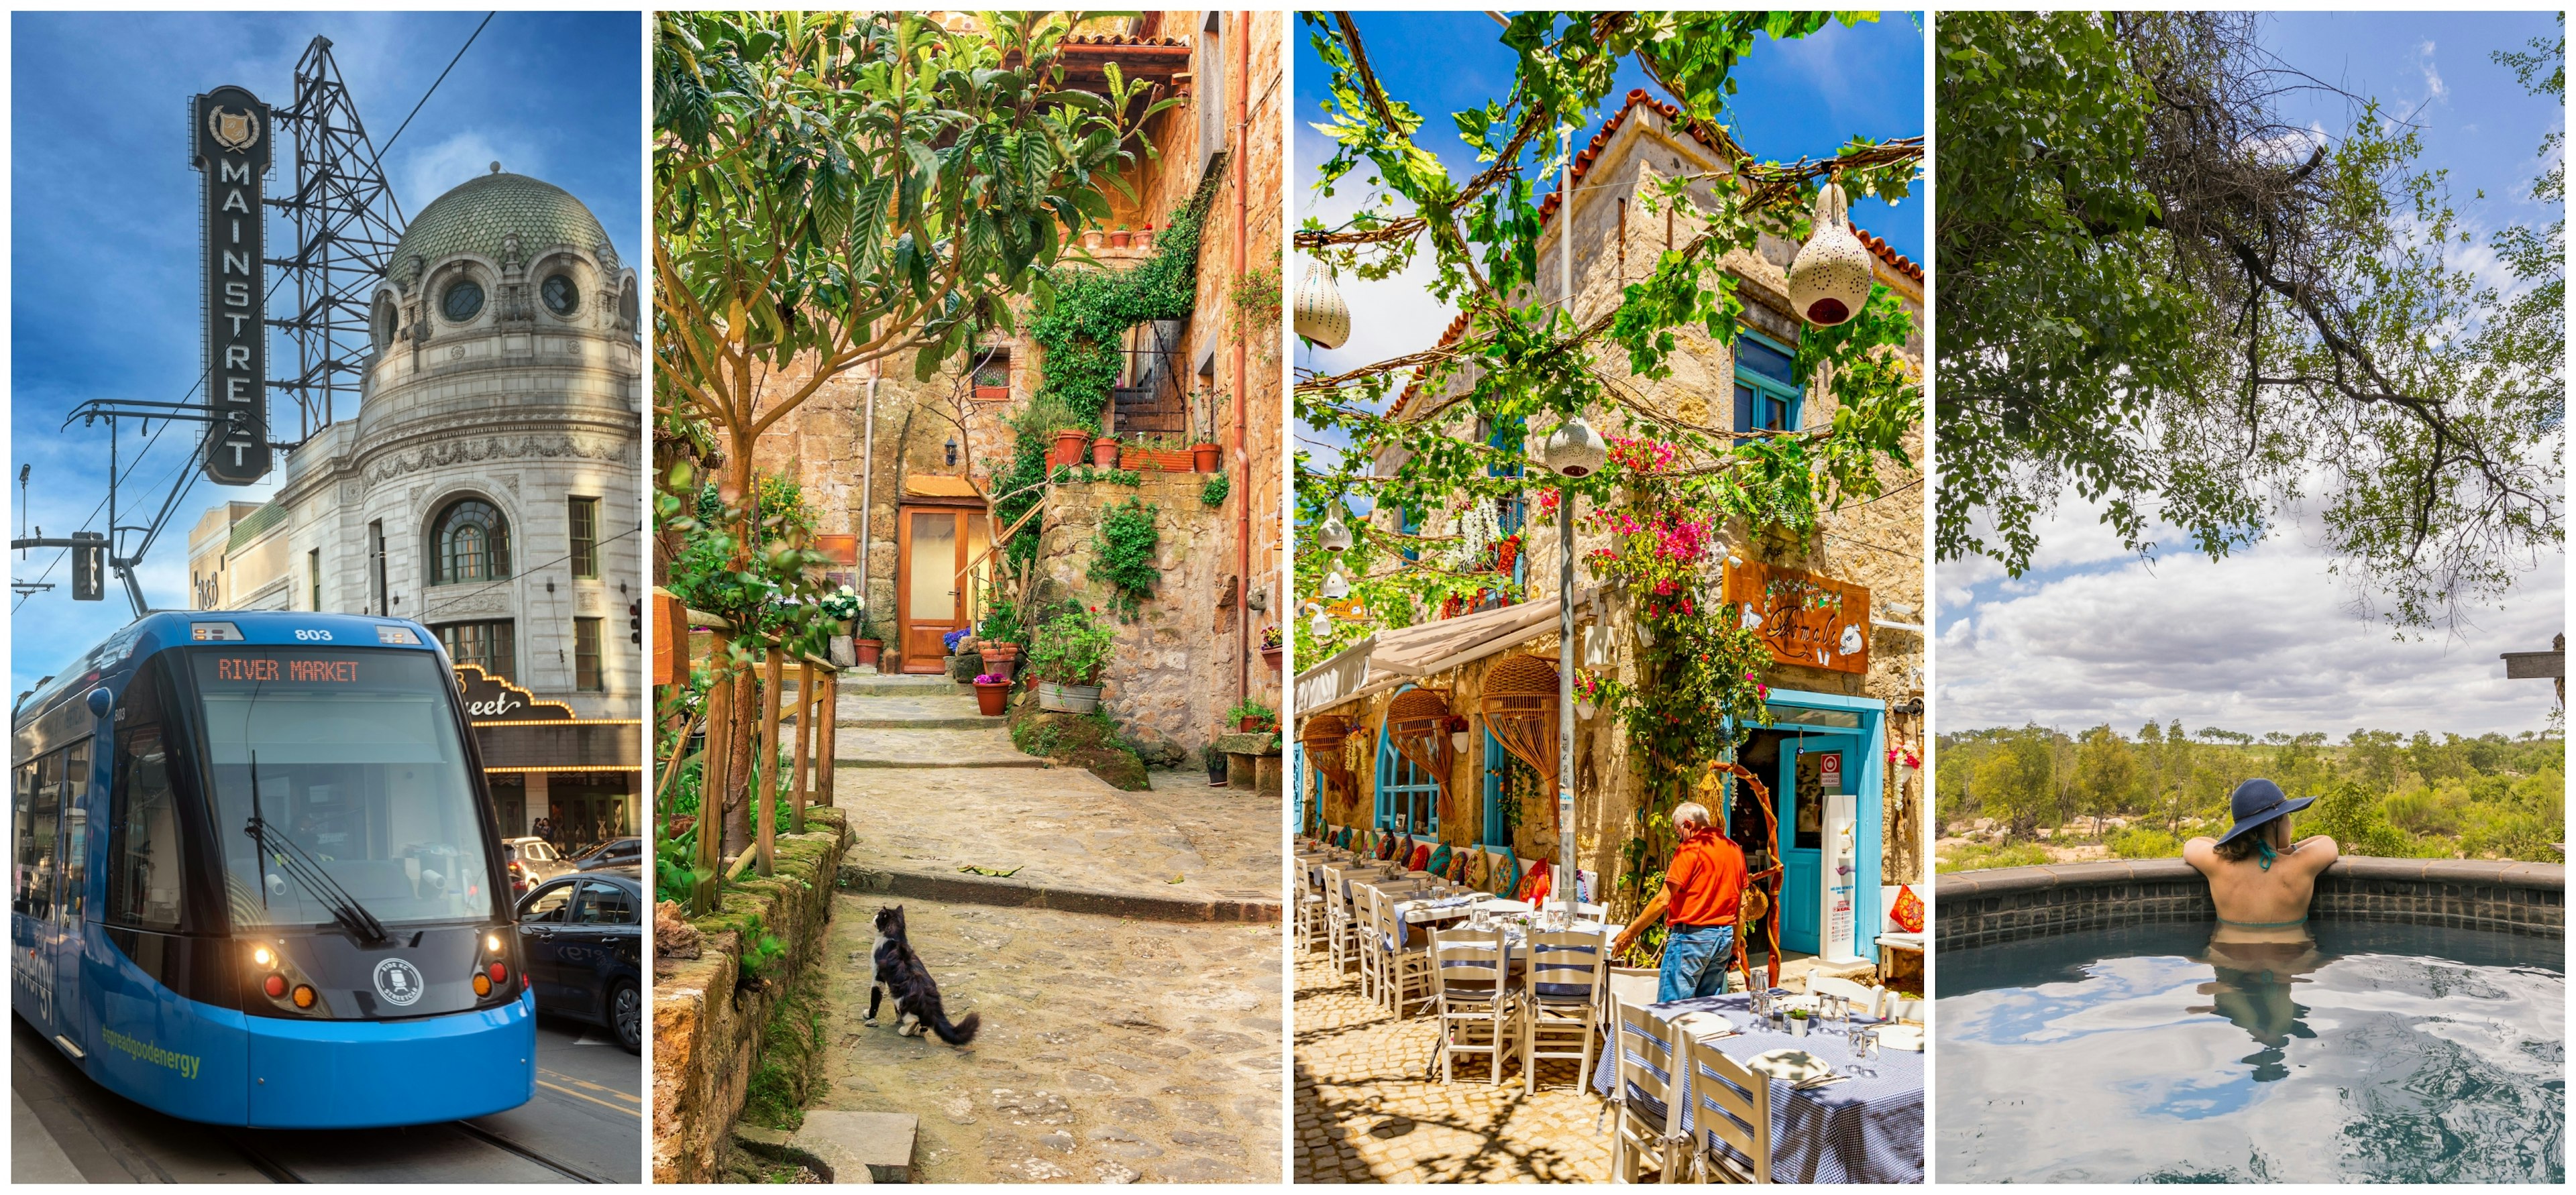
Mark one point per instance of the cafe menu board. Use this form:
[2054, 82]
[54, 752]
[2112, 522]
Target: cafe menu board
[1805, 619]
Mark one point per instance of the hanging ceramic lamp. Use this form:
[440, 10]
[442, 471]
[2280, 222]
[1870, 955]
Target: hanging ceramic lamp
[1830, 279]
[1336, 586]
[1573, 449]
[1334, 535]
[1322, 317]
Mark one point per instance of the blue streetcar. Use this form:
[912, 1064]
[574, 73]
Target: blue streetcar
[257, 877]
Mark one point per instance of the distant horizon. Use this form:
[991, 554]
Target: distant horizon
[2195, 733]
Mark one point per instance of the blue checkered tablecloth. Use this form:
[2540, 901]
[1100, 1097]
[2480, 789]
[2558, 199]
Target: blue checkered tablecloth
[1865, 1129]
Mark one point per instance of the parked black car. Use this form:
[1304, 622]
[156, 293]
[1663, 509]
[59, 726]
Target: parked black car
[616, 852]
[583, 938]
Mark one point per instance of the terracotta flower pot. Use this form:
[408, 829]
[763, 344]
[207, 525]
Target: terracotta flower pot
[1270, 656]
[1068, 447]
[869, 650]
[990, 699]
[1118, 239]
[1204, 457]
[1104, 453]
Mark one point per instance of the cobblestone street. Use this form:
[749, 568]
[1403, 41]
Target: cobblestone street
[1113, 1048]
[1367, 1110]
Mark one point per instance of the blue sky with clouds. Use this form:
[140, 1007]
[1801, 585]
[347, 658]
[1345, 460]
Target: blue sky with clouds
[104, 254]
[1800, 97]
[2270, 639]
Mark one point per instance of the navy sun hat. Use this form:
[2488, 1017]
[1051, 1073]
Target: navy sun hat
[2258, 801]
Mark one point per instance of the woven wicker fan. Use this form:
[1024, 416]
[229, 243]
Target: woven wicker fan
[1322, 737]
[1417, 725]
[1521, 711]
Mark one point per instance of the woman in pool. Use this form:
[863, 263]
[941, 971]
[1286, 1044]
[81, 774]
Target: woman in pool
[2262, 883]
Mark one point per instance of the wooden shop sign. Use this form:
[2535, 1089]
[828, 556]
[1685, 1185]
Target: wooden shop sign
[1808, 620]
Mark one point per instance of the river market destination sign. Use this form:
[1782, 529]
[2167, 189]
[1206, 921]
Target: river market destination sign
[1804, 618]
[233, 141]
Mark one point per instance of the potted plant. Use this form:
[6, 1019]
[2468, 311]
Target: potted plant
[1205, 456]
[1798, 1022]
[869, 643]
[1251, 716]
[992, 694]
[1119, 237]
[1104, 453]
[1000, 658]
[1457, 728]
[1271, 645]
[1215, 761]
[1068, 447]
[1587, 695]
[1068, 656]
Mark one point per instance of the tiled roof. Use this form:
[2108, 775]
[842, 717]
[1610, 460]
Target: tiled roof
[1583, 165]
[474, 217]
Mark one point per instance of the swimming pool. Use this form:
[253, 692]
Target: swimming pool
[2389, 1053]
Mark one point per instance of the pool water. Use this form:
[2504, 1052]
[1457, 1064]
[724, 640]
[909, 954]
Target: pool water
[2393, 1053]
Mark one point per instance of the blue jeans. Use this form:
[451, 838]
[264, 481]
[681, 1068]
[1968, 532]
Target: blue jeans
[1695, 962]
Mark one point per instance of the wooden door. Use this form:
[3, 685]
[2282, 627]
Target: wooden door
[929, 601]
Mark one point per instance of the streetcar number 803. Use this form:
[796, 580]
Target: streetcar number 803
[314, 636]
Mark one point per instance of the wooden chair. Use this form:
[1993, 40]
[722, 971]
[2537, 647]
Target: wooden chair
[1863, 998]
[1479, 1012]
[1642, 1095]
[1732, 1107]
[1309, 926]
[1403, 971]
[1341, 922]
[1558, 993]
[1635, 985]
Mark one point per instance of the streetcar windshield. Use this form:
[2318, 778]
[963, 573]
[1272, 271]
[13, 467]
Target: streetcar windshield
[361, 774]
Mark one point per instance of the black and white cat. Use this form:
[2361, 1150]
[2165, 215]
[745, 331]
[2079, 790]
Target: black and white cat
[916, 996]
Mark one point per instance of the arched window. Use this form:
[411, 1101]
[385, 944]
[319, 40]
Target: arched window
[1408, 798]
[470, 542]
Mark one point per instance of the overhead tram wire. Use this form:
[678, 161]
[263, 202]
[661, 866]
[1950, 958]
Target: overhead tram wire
[377, 152]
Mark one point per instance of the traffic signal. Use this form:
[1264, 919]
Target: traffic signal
[89, 566]
[635, 623]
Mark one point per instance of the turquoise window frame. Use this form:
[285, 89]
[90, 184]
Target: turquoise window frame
[1497, 763]
[1417, 782]
[1792, 394]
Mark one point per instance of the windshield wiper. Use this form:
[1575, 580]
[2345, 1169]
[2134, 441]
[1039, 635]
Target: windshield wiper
[306, 870]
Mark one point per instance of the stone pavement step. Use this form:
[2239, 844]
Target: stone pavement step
[1109, 1050]
[900, 686]
[860, 1147]
[954, 711]
[986, 747]
[1065, 838]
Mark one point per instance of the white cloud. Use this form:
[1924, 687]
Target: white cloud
[440, 167]
[2434, 88]
[2264, 640]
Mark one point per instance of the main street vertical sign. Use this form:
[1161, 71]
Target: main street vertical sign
[230, 130]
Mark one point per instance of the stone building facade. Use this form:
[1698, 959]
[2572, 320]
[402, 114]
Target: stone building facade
[1858, 717]
[873, 448]
[487, 488]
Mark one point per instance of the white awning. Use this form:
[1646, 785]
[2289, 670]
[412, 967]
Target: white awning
[1390, 658]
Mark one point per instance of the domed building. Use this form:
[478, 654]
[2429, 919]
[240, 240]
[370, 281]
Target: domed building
[488, 489]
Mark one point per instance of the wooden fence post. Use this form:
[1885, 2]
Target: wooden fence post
[711, 779]
[806, 708]
[765, 803]
[829, 727]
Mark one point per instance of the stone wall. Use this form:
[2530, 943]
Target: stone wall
[1158, 684]
[1877, 544]
[706, 1029]
[1980, 908]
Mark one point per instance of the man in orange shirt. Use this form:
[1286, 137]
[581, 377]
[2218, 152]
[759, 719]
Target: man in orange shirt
[1701, 889]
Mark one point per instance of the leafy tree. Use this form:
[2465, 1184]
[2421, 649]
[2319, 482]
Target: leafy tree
[2106, 773]
[2163, 295]
[2017, 785]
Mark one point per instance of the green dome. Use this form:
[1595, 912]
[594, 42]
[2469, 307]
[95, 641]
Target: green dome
[475, 216]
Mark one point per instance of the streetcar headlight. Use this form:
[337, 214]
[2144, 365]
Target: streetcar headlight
[492, 942]
[263, 958]
[303, 996]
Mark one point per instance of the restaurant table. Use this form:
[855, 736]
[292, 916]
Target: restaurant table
[1864, 1129]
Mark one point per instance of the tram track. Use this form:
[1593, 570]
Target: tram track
[267, 1160]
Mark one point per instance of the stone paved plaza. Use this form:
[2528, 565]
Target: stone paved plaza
[1112, 1050]
[1368, 1110]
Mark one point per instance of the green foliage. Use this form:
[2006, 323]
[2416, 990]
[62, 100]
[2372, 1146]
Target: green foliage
[1212, 492]
[1002, 621]
[1072, 647]
[762, 951]
[1083, 333]
[1122, 556]
[2148, 304]
[1086, 475]
[1975, 858]
[2379, 793]
[747, 563]
[1250, 709]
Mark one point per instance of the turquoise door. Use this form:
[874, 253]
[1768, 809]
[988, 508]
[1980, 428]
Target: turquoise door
[1850, 731]
[1799, 851]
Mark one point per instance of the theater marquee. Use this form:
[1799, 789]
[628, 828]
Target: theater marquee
[231, 132]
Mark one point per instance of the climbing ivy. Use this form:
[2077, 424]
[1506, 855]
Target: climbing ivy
[1082, 332]
[1214, 491]
[1122, 556]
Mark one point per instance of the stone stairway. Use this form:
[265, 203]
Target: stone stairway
[918, 722]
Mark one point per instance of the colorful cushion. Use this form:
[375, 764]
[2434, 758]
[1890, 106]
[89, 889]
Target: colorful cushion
[1439, 864]
[1420, 859]
[1534, 885]
[1908, 913]
[1473, 875]
[1506, 874]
